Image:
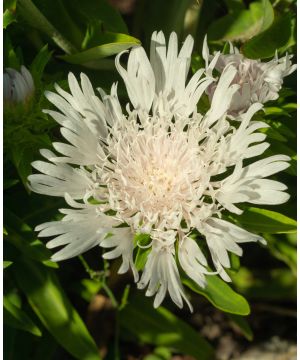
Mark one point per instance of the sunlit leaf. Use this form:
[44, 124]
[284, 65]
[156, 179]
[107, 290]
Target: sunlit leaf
[265, 221]
[221, 295]
[49, 302]
[6, 264]
[17, 318]
[8, 18]
[241, 25]
[265, 44]
[109, 44]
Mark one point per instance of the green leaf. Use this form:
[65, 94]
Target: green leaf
[8, 183]
[158, 15]
[109, 44]
[235, 262]
[241, 25]
[242, 324]
[9, 15]
[160, 327]
[6, 264]
[35, 18]
[10, 55]
[281, 248]
[273, 134]
[141, 258]
[24, 239]
[278, 130]
[100, 11]
[40, 61]
[265, 221]
[221, 295]
[87, 288]
[275, 111]
[286, 149]
[265, 44]
[141, 241]
[25, 151]
[17, 318]
[50, 303]
[8, 18]
[66, 24]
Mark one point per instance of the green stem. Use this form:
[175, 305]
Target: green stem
[38, 21]
[96, 275]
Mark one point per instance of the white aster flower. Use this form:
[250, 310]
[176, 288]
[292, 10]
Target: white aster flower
[259, 81]
[160, 169]
[18, 87]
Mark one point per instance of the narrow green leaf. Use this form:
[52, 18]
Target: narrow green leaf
[221, 295]
[50, 303]
[11, 58]
[8, 183]
[110, 44]
[242, 324]
[39, 63]
[265, 44]
[273, 134]
[282, 249]
[65, 24]
[265, 221]
[24, 239]
[269, 110]
[33, 16]
[17, 318]
[6, 264]
[100, 11]
[160, 327]
[9, 14]
[8, 18]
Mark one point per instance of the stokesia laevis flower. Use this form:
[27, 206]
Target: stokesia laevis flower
[161, 168]
[259, 81]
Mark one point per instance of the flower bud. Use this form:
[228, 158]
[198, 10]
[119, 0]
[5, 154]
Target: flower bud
[18, 87]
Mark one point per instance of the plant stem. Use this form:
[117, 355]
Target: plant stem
[96, 275]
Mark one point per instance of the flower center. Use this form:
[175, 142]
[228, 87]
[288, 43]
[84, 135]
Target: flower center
[156, 177]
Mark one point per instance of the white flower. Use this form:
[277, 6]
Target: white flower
[259, 81]
[18, 87]
[154, 169]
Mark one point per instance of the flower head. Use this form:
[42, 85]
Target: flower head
[18, 87]
[161, 168]
[259, 81]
